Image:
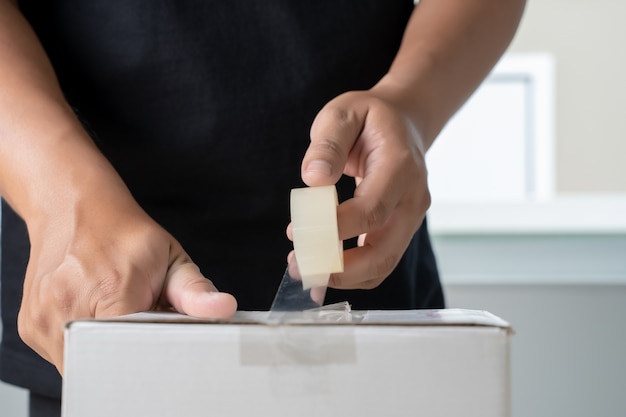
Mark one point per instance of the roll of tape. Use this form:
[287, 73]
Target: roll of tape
[317, 247]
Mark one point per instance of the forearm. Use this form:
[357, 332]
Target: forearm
[46, 157]
[448, 48]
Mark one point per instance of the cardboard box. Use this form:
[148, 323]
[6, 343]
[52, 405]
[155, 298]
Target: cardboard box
[376, 363]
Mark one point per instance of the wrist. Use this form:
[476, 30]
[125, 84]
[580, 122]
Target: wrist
[68, 178]
[403, 98]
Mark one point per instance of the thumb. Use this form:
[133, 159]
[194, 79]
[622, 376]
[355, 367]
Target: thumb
[189, 292]
[333, 134]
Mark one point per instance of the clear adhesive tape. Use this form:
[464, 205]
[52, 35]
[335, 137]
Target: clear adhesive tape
[317, 247]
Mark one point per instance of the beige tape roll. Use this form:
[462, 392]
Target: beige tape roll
[319, 252]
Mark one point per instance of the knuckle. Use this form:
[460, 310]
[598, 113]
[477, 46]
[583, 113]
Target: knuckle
[111, 284]
[373, 217]
[421, 203]
[62, 298]
[24, 327]
[106, 293]
[426, 200]
[329, 148]
[32, 321]
[380, 269]
[341, 115]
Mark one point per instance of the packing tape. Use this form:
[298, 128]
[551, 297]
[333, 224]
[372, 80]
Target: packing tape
[297, 345]
[317, 247]
[298, 361]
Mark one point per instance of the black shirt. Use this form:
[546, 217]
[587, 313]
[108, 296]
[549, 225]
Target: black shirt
[204, 108]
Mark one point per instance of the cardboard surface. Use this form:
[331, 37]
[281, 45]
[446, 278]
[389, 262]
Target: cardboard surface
[377, 363]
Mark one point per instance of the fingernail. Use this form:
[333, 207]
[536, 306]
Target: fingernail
[319, 166]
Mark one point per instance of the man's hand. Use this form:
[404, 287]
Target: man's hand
[379, 137]
[102, 261]
[364, 136]
[94, 251]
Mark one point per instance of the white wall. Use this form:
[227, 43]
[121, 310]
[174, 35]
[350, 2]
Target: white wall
[568, 350]
[587, 41]
[565, 296]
